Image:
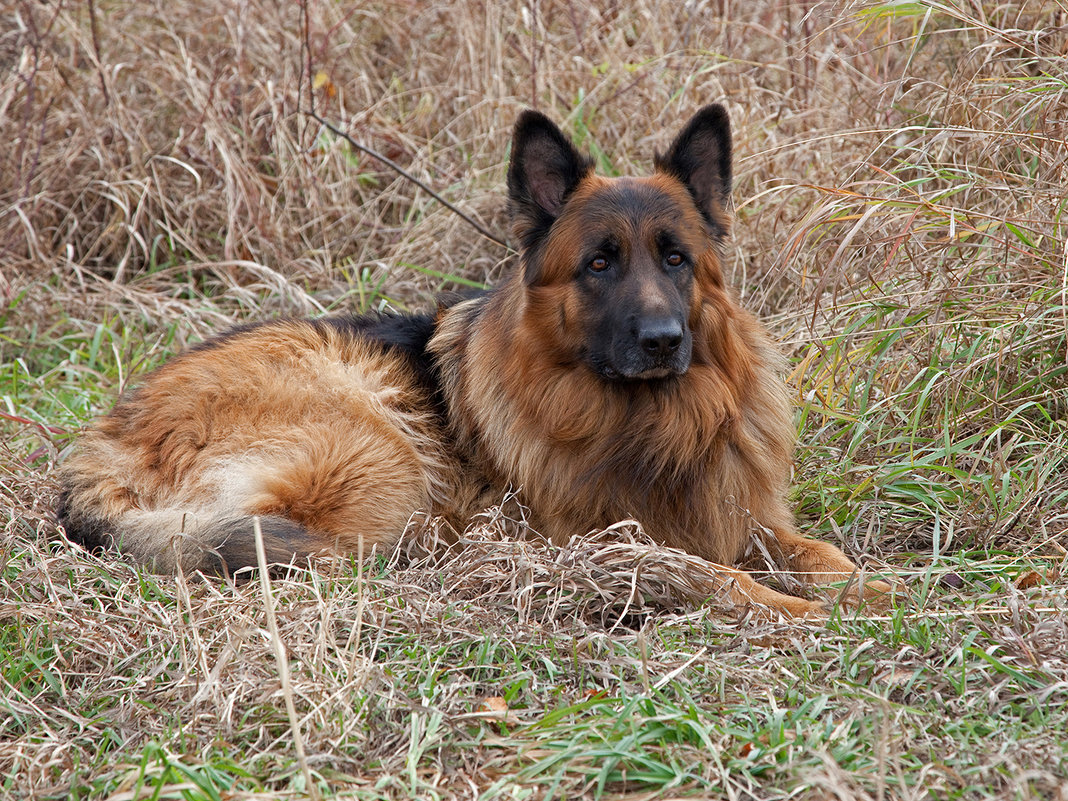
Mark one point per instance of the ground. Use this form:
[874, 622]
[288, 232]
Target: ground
[899, 224]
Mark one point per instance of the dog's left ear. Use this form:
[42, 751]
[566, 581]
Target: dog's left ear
[545, 169]
[700, 157]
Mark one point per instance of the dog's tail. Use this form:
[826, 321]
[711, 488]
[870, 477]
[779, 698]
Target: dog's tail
[164, 540]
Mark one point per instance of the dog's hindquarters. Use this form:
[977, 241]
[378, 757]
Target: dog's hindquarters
[327, 436]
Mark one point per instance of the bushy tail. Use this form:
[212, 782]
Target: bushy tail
[165, 539]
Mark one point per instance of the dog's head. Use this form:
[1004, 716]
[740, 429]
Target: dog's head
[616, 269]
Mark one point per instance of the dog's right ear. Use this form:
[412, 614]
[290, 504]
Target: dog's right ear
[544, 170]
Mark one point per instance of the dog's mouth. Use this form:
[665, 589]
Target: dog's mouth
[653, 373]
[656, 373]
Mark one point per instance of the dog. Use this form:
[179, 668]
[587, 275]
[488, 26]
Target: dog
[610, 376]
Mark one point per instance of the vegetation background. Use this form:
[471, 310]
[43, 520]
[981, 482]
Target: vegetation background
[901, 225]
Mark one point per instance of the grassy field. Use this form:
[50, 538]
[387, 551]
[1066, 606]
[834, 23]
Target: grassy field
[901, 226]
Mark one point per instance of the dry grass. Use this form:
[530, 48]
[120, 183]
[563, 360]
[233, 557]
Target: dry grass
[900, 223]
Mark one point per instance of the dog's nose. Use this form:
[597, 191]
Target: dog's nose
[660, 337]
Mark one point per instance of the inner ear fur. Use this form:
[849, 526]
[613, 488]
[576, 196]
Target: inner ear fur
[700, 157]
[545, 169]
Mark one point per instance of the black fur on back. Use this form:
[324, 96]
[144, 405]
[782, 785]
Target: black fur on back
[406, 334]
[403, 334]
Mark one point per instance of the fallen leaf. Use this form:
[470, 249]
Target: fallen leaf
[1032, 578]
[494, 707]
[322, 81]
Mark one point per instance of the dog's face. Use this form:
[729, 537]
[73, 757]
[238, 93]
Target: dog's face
[616, 269]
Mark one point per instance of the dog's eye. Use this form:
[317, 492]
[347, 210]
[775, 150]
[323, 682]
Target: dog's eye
[674, 259]
[598, 264]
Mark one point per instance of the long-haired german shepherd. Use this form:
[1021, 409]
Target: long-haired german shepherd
[611, 376]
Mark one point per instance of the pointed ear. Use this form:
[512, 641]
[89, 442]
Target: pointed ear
[700, 157]
[544, 170]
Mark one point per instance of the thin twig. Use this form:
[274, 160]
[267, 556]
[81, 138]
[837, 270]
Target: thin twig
[305, 62]
[306, 70]
[95, 32]
[45, 427]
[404, 173]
